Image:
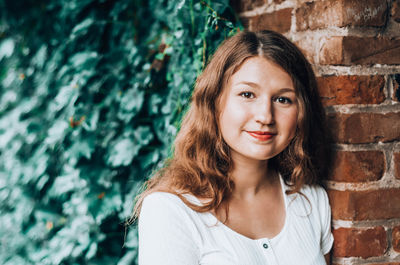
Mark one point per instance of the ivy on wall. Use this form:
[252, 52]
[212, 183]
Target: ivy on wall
[91, 95]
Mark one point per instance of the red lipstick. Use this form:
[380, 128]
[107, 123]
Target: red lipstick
[261, 136]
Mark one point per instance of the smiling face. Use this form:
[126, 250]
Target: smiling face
[258, 110]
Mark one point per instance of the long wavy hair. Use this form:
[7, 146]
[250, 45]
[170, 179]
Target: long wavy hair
[202, 162]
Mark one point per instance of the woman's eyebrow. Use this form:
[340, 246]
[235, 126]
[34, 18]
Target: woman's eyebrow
[287, 89]
[252, 84]
[248, 83]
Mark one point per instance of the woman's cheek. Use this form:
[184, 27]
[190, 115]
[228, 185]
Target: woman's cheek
[238, 108]
[291, 119]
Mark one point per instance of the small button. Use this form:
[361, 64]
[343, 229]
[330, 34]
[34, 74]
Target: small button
[265, 245]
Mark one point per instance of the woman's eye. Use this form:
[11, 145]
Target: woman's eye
[247, 95]
[283, 100]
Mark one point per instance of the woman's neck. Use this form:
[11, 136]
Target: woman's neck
[251, 177]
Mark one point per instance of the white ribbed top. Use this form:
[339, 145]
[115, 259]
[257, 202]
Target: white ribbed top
[171, 233]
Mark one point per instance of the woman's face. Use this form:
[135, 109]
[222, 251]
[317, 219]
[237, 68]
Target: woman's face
[258, 110]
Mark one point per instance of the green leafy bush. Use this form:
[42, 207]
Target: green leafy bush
[91, 95]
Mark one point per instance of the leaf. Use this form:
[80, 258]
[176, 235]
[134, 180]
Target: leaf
[150, 159]
[17, 260]
[131, 240]
[43, 180]
[143, 135]
[107, 205]
[91, 251]
[181, 4]
[67, 182]
[82, 27]
[56, 132]
[131, 102]
[128, 204]
[155, 104]
[122, 152]
[40, 57]
[82, 148]
[6, 48]
[67, 95]
[90, 123]
[129, 258]
[83, 59]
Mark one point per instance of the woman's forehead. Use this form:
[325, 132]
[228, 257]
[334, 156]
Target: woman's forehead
[260, 71]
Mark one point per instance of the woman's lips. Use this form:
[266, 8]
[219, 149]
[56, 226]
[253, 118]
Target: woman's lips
[262, 136]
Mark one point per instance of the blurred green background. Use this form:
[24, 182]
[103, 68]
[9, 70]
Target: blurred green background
[91, 95]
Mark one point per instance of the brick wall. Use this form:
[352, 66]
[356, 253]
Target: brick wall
[354, 46]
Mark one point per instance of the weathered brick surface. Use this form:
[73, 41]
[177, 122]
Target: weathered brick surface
[385, 263]
[396, 88]
[360, 128]
[365, 13]
[396, 161]
[352, 89]
[306, 46]
[353, 242]
[331, 51]
[278, 21]
[348, 50]
[365, 205]
[341, 13]
[358, 166]
[312, 15]
[396, 238]
[395, 12]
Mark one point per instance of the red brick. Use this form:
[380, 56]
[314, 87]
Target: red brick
[385, 263]
[358, 166]
[395, 12]
[307, 46]
[396, 161]
[396, 238]
[331, 51]
[341, 13]
[312, 15]
[280, 21]
[365, 13]
[352, 89]
[361, 128]
[348, 50]
[396, 88]
[245, 5]
[365, 243]
[365, 205]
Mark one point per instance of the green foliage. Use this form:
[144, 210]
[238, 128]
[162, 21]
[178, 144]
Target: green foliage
[91, 94]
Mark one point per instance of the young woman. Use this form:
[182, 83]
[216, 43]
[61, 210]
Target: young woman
[243, 186]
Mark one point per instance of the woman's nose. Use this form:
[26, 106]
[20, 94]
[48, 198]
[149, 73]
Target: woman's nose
[264, 112]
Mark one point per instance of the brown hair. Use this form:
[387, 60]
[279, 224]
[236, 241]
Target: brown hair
[201, 162]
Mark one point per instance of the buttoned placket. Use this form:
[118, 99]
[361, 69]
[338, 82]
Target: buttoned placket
[267, 251]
